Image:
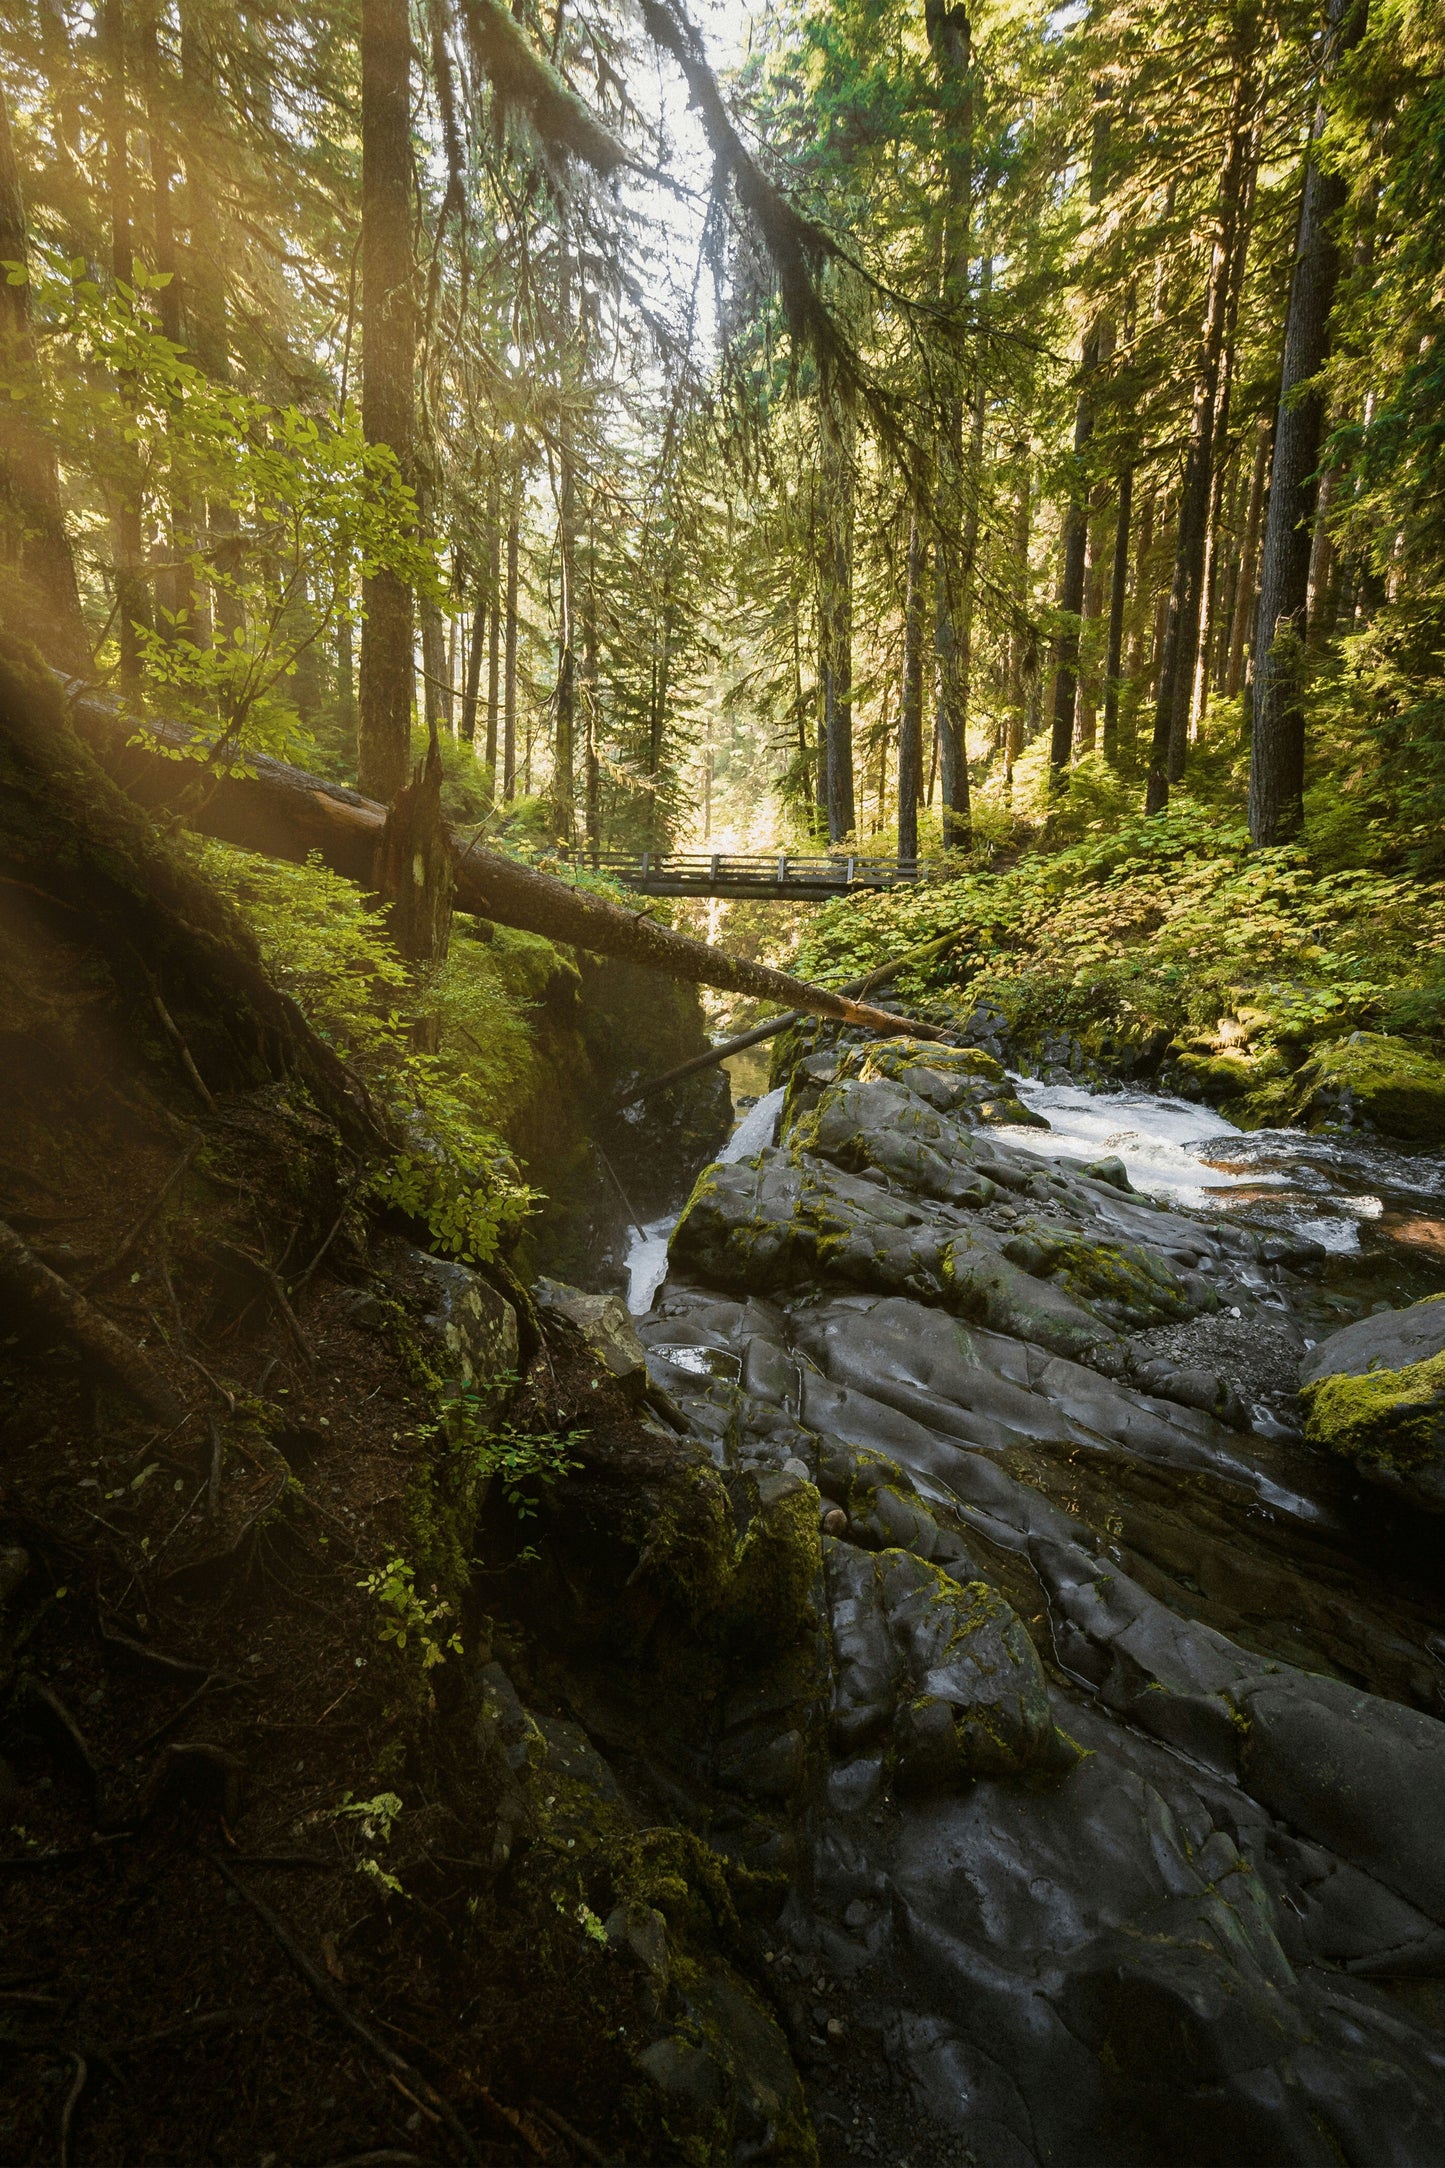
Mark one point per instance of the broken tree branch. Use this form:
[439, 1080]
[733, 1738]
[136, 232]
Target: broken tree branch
[725, 1048]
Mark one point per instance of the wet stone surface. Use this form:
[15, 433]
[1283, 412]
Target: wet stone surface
[1108, 1792]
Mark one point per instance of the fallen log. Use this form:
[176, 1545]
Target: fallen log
[726, 1048]
[282, 812]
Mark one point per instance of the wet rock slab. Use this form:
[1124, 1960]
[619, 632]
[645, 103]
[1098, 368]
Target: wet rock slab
[1120, 1821]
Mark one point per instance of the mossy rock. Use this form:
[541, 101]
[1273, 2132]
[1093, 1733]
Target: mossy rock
[1385, 1414]
[777, 1563]
[1380, 1081]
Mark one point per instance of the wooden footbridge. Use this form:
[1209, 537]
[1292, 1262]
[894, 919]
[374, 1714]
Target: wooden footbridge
[772, 876]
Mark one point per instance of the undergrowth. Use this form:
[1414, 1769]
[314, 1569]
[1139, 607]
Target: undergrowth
[1168, 924]
[325, 945]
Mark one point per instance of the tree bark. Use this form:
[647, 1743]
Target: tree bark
[564, 744]
[388, 357]
[415, 865]
[910, 716]
[836, 600]
[471, 691]
[33, 531]
[132, 592]
[1118, 592]
[204, 299]
[509, 692]
[1276, 768]
[1071, 580]
[957, 497]
[494, 628]
[1181, 626]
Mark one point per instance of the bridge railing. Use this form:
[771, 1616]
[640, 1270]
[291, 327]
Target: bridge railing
[783, 869]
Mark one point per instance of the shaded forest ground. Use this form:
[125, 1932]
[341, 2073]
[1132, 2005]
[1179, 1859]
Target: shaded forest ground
[282, 1878]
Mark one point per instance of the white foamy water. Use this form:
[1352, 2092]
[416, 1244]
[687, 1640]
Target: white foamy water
[646, 1259]
[1164, 1143]
[1186, 1155]
[755, 1131]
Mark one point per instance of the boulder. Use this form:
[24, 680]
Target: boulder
[604, 1324]
[473, 1329]
[1375, 1393]
[941, 1674]
[1378, 1081]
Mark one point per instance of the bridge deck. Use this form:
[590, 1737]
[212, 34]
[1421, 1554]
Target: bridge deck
[777, 876]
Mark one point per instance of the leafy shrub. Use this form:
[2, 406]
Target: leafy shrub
[326, 945]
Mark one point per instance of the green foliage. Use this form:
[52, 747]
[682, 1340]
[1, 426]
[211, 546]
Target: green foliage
[375, 1818]
[312, 506]
[519, 1461]
[409, 1617]
[328, 946]
[1164, 924]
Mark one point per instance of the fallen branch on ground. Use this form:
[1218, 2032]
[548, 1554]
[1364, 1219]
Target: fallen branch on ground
[725, 1048]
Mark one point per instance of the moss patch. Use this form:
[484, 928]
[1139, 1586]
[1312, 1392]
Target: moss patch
[1379, 1080]
[1391, 1423]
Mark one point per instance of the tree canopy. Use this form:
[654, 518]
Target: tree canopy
[787, 427]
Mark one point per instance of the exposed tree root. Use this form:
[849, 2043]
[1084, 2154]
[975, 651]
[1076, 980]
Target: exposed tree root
[54, 1302]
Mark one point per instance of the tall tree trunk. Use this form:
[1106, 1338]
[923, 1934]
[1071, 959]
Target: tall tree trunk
[32, 528]
[1181, 628]
[509, 674]
[591, 693]
[1090, 611]
[436, 687]
[132, 594]
[910, 718]
[174, 587]
[1118, 592]
[1139, 614]
[1022, 660]
[345, 656]
[836, 614]
[1320, 603]
[1071, 578]
[471, 690]
[388, 360]
[494, 631]
[1276, 768]
[564, 747]
[204, 304]
[957, 496]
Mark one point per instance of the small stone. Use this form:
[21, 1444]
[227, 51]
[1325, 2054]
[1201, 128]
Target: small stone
[836, 2029]
[835, 1521]
[856, 1914]
[799, 1468]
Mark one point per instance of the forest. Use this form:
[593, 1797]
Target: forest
[643, 1521]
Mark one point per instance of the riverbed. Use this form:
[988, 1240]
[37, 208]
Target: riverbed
[1377, 1209]
[1107, 1786]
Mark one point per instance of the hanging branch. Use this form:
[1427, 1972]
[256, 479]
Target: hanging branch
[520, 77]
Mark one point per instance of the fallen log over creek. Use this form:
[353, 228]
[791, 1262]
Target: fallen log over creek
[282, 812]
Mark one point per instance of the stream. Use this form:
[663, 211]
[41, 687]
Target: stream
[1378, 1209]
[1108, 1795]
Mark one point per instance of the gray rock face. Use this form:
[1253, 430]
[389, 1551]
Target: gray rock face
[1122, 1820]
[1391, 1425]
[603, 1323]
[472, 1328]
[1391, 1340]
